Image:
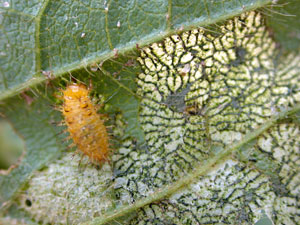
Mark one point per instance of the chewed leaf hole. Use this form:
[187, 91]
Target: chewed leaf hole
[11, 146]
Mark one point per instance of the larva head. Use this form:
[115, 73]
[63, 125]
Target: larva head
[75, 91]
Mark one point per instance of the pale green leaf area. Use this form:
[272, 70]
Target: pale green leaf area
[204, 123]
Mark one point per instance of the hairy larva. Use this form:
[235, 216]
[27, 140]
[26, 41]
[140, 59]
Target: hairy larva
[85, 126]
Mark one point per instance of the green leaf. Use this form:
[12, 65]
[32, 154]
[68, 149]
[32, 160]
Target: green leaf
[284, 20]
[63, 36]
[120, 90]
[33, 125]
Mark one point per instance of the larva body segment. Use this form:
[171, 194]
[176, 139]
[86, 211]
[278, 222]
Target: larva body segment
[84, 124]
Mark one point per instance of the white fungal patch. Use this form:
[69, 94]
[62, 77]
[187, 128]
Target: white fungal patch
[63, 193]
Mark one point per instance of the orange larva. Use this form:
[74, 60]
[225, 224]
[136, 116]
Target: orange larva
[85, 126]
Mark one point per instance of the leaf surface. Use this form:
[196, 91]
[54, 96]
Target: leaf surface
[46, 39]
